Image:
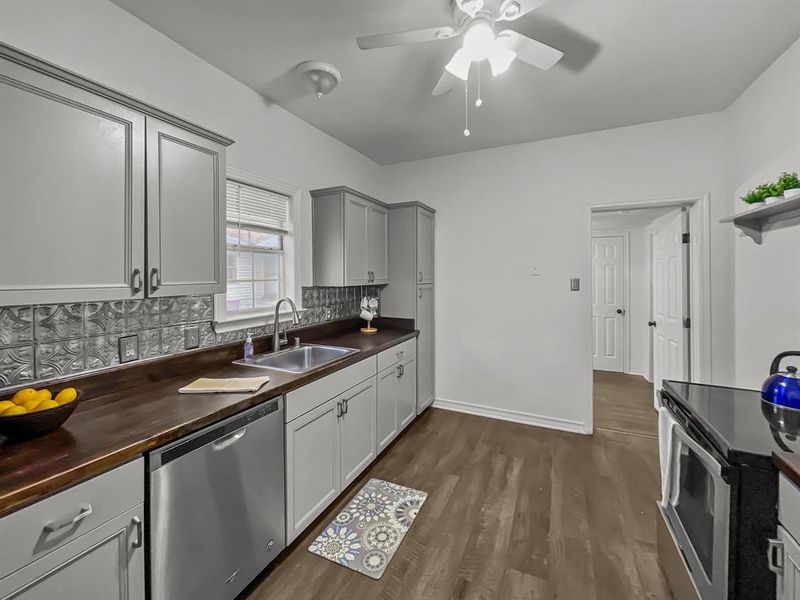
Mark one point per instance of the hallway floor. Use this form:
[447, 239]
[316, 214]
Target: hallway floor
[514, 512]
[624, 403]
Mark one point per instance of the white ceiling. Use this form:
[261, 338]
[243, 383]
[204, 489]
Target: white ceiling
[626, 62]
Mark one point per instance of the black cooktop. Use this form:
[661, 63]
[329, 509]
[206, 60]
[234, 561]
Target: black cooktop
[741, 426]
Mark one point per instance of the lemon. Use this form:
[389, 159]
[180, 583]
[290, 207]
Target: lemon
[4, 404]
[29, 405]
[23, 395]
[43, 395]
[66, 395]
[14, 410]
[46, 405]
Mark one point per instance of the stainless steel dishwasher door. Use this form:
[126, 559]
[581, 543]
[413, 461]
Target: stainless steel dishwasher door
[217, 513]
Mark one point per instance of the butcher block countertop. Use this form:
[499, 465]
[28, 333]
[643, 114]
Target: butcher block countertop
[789, 465]
[131, 410]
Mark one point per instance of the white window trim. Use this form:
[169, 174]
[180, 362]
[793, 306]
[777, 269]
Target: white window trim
[292, 264]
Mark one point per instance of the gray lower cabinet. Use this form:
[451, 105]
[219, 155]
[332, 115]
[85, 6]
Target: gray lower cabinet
[407, 392]
[388, 390]
[425, 347]
[78, 163]
[357, 430]
[185, 212]
[107, 563]
[313, 466]
[82, 543]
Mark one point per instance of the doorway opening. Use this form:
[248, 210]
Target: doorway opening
[649, 315]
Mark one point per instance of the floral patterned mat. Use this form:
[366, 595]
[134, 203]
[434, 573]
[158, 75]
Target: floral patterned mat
[367, 533]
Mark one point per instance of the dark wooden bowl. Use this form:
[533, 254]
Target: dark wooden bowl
[34, 424]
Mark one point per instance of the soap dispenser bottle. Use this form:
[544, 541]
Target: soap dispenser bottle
[248, 347]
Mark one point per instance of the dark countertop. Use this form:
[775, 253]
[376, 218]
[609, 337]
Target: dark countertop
[788, 464]
[111, 429]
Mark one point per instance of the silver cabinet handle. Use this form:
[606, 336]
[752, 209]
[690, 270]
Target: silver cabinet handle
[419, 293]
[339, 412]
[775, 549]
[400, 355]
[137, 525]
[402, 370]
[154, 273]
[398, 372]
[344, 403]
[136, 281]
[84, 512]
[229, 440]
[419, 276]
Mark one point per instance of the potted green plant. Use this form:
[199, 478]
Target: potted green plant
[774, 193]
[753, 198]
[789, 184]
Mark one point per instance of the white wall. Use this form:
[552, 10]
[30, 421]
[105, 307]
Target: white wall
[99, 40]
[520, 343]
[763, 128]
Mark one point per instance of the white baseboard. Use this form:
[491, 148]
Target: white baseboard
[514, 416]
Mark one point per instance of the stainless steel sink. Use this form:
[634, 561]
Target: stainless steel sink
[298, 360]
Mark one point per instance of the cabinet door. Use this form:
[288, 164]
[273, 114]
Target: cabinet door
[788, 584]
[312, 466]
[387, 406]
[185, 212]
[425, 347]
[407, 392]
[357, 432]
[377, 244]
[424, 246]
[355, 240]
[107, 563]
[72, 170]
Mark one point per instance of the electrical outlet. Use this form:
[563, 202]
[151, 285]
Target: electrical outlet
[575, 284]
[191, 337]
[128, 348]
[328, 314]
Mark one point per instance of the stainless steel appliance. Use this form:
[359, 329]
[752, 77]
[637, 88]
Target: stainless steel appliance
[722, 488]
[217, 512]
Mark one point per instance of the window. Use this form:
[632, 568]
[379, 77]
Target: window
[257, 234]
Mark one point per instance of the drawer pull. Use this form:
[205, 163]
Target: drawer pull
[137, 525]
[775, 557]
[52, 526]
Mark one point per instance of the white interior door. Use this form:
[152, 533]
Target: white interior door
[669, 343]
[608, 302]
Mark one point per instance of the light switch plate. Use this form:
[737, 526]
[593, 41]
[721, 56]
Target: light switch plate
[128, 348]
[575, 284]
[191, 337]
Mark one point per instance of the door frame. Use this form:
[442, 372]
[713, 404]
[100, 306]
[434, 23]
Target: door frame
[699, 206]
[626, 292]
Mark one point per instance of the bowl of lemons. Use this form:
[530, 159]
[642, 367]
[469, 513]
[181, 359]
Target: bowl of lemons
[30, 412]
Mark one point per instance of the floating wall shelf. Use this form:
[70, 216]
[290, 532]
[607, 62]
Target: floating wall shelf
[753, 222]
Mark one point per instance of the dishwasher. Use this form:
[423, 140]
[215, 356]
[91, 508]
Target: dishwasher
[217, 512]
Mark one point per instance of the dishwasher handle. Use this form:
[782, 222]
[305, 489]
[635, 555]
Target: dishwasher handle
[229, 440]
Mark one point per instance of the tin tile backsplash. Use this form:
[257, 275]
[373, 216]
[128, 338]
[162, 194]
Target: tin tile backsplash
[57, 340]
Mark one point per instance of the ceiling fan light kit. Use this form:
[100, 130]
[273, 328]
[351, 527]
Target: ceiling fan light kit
[319, 77]
[476, 20]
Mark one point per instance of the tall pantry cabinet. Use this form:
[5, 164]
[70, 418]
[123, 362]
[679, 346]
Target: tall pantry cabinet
[411, 290]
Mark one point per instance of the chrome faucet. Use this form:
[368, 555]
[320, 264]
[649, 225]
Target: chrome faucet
[276, 340]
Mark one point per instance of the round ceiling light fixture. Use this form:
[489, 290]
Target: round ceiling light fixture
[319, 77]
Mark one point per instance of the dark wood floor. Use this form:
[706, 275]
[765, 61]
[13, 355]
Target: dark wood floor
[514, 513]
[624, 403]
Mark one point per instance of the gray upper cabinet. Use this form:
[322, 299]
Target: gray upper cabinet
[424, 246]
[81, 165]
[377, 241]
[185, 212]
[72, 201]
[350, 238]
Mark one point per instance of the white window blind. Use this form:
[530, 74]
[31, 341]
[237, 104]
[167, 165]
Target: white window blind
[252, 206]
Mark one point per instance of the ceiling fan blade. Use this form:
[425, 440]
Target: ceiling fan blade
[511, 10]
[460, 63]
[386, 40]
[445, 83]
[529, 50]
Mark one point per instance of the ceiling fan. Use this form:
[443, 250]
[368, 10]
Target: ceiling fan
[476, 20]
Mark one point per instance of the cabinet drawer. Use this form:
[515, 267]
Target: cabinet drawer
[49, 524]
[394, 355]
[308, 397]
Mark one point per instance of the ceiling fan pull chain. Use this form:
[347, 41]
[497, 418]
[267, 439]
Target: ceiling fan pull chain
[479, 101]
[466, 107]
